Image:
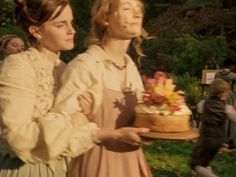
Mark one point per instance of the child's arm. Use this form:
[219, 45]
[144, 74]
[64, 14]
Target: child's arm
[231, 112]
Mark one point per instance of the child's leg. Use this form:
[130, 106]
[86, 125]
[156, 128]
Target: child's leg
[204, 172]
[203, 155]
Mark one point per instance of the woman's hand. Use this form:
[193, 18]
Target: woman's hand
[128, 135]
[131, 135]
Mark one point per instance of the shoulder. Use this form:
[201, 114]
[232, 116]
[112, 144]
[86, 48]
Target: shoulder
[18, 71]
[81, 59]
[94, 54]
[132, 66]
[19, 62]
[226, 75]
[215, 104]
[87, 61]
[130, 60]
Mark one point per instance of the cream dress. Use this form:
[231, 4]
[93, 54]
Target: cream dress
[113, 108]
[34, 140]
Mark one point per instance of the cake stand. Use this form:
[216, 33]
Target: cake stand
[191, 134]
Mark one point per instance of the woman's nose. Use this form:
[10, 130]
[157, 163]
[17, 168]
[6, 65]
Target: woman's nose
[20, 49]
[137, 12]
[71, 29]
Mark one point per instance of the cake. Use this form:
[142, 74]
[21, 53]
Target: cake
[163, 108]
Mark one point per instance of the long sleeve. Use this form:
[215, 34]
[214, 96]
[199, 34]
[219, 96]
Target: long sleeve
[17, 99]
[78, 78]
[31, 138]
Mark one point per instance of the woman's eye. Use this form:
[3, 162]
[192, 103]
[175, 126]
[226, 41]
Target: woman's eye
[59, 25]
[15, 45]
[126, 8]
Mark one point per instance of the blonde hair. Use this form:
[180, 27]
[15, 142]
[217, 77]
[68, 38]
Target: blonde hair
[100, 12]
[218, 87]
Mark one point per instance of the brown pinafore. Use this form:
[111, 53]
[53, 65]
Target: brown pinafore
[112, 158]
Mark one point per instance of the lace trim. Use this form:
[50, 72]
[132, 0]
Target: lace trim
[46, 86]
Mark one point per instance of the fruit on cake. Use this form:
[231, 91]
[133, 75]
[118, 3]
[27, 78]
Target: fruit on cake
[163, 108]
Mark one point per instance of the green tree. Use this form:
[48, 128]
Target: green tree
[6, 13]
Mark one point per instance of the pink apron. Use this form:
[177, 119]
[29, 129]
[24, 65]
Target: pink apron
[112, 158]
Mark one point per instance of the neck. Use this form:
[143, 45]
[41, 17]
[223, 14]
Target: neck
[50, 55]
[116, 49]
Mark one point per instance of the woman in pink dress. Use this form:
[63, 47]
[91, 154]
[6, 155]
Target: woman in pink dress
[107, 72]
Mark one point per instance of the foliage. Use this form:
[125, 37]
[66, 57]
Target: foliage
[179, 55]
[176, 47]
[197, 4]
[195, 52]
[160, 53]
[171, 159]
[6, 12]
[157, 57]
[10, 29]
[191, 87]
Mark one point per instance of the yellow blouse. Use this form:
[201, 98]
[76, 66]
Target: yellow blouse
[28, 86]
[92, 71]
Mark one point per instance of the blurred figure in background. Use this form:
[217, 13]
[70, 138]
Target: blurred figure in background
[228, 74]
[11, 44]
[215, 111]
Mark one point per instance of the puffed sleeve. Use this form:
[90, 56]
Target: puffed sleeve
[17, 97]
[47, 137]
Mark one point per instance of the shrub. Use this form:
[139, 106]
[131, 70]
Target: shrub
[191, 86]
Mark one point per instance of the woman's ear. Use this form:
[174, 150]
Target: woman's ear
[105, 21]
[34, 30]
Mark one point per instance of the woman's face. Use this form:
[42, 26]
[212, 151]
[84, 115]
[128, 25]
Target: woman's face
[15, 45]
[126, 20]
[58, 34]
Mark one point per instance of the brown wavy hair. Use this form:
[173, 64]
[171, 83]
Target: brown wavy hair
[35, 13]
[100, 11]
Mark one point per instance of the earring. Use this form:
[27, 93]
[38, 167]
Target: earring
[105, 23]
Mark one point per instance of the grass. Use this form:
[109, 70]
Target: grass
[171, 159]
